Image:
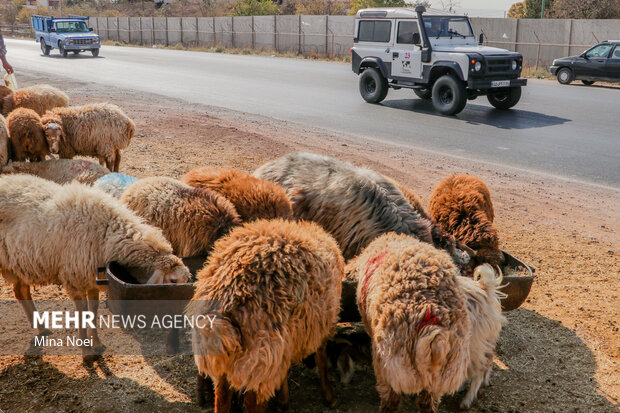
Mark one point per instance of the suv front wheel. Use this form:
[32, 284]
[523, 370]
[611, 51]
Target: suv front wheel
[449, 95]
[505, 98]
[373, 86]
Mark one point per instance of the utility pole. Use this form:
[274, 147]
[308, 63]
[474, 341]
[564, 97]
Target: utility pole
[60, 7]
[542, 11]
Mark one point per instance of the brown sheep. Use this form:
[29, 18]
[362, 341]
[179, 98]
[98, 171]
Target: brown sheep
[5, 144]
[278, 283]
[26, 135]
[415, 314]
[39, 98]
[252, 197]
[461, 205]
[442, 239]
[192, 219]
[100, 130]
[61, 171]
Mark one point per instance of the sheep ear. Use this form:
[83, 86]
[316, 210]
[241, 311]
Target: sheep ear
[466, 249]
[156, 278]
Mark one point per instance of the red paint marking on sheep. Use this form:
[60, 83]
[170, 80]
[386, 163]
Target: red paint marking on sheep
[372, 266]
[428, 320]
[79, 167]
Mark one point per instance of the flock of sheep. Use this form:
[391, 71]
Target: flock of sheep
[279, 244]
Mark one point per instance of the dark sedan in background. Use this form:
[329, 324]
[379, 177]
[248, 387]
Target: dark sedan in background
[600, 63]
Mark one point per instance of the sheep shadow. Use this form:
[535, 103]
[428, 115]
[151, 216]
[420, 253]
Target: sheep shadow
[543, 367]
[35, 384]
[479, 114]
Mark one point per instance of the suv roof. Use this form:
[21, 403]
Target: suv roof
[398, 13]
[612, 41]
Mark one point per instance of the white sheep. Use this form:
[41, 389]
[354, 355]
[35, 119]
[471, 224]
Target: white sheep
[100, 130]
[61, 171]
[54, 234]
[192, 219]
[483, 303]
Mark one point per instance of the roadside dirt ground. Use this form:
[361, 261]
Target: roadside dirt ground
[560, 352]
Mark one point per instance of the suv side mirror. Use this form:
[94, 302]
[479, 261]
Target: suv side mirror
[584, 55]
[481, 38]
[90, 29]
[416, 38]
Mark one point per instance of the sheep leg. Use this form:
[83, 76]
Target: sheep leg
[251, 404]
[93, 306]
[223, 396]
[22, 294]
[428, 402]
[103, 161]
[284, 400]
[321, 362]
[117, 160]
[474, 386]
[172, 341]
[204, 389]
[390, 400]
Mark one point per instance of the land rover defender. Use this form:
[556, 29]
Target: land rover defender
[436, 55]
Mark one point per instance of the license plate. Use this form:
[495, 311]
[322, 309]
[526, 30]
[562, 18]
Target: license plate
[500, 83]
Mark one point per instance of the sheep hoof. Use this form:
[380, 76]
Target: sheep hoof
[98, 350]
[89, 359]
[331, 402]
[465, 405]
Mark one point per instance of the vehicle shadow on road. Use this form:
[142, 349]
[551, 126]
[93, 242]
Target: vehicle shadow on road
[83, 55]
[478, 114]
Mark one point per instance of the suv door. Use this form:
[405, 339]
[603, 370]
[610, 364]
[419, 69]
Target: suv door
[596, 60]
[613, 64]
[373, 38]
[406, 57]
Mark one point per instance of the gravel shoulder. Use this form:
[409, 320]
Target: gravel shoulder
[560, 352]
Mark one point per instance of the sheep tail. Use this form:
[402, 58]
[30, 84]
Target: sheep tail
[433, 341]
[490, 280]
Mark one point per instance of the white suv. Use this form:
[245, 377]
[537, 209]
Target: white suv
[436, 55]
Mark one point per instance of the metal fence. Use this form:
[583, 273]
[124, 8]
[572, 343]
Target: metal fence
[17, 30]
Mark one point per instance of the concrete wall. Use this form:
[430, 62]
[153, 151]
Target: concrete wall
[332, 35]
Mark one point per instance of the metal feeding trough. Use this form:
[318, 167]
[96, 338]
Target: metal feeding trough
[123, 289]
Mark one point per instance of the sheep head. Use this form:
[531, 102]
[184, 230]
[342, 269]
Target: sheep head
[169, 270]
[492, 256]
[6, 100]
[54, 132]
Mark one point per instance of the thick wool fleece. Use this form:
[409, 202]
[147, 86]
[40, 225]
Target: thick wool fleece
[253, 198]
[461, 205]
[279, 285]
[39, 98]
[26, 135]
[61, 171]
[483, 298]
[354, 204]
[99, 129]
[414, 312]
[192, 219]
[53, 234]
[5, 144]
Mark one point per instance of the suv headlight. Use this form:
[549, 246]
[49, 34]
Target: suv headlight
[514, 65]
[69, 41]
[477, 66]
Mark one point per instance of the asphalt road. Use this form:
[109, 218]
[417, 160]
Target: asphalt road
[568, 131]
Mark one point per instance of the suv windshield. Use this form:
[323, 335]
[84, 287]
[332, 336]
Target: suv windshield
[446, 26]
[71, 27]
